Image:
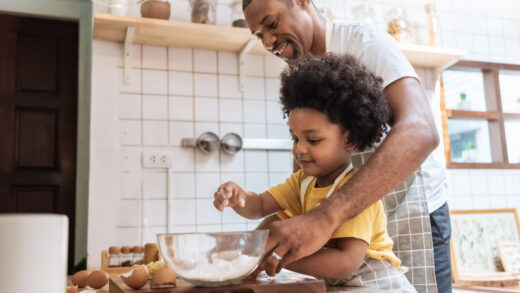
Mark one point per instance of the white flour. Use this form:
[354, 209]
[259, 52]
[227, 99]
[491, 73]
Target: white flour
[223, 268]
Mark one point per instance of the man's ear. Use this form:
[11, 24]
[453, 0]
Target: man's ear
[302, 3]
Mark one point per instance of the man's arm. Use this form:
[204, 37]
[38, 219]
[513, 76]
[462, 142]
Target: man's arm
[412, 138]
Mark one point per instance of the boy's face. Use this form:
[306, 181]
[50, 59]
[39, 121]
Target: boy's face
[319, 146]
[285, 31]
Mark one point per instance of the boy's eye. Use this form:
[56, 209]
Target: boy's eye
[314, 141]
[294, 139]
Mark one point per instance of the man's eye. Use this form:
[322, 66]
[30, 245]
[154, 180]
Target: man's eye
[272, 25]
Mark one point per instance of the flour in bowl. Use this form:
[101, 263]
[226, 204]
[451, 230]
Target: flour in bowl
[222, 268]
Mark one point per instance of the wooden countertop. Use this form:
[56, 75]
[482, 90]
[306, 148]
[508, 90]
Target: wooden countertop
[329, 289]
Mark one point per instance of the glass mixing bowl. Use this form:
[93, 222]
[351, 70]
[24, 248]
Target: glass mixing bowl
[213, 259]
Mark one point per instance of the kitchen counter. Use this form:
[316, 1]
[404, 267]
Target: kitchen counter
[284, 276]
[329, 289]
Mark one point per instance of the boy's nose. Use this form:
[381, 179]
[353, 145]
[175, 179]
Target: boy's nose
[299, 148]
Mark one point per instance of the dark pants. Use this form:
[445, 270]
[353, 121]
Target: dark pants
[441, 233]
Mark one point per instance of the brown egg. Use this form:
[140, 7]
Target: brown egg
[80, 278]
[164, 277]
[97, 279]
[136, 278]
[72, 289]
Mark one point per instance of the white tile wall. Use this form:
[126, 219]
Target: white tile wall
[181, 92]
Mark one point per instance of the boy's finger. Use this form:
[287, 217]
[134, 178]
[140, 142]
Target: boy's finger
[218, 206]
[228, 191]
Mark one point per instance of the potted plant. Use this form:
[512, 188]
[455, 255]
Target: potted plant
[469, 154]
[464, 103]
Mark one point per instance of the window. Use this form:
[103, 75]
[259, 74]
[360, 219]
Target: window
[481, 115]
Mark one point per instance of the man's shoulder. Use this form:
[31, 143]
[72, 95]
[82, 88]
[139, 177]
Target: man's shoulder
[358, 38]
[355, 29]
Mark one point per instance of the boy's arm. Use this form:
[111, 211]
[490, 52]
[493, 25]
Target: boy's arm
[247, 204]
[338, 262]
[258, 206]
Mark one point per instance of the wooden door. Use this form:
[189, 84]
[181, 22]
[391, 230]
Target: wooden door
[38, 117]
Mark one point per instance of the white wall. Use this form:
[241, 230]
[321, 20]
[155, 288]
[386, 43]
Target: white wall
[176, 93]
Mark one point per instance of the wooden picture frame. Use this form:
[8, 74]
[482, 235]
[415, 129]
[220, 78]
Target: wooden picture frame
[510, 256]
[475, 238]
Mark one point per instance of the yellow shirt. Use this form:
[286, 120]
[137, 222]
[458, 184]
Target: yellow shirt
[369, 225]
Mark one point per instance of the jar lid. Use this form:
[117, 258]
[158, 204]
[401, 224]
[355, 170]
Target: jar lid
[114, 250]
[137, 249]
[126, 249]
[150, 245]
[212, 2]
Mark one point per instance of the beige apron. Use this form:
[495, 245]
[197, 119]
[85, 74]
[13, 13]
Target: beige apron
[408, 225]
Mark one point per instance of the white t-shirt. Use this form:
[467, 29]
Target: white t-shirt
[381, 54]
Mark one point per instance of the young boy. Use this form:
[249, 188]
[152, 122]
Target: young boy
[333, 105]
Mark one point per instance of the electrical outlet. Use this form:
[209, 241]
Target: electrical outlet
[156, 160]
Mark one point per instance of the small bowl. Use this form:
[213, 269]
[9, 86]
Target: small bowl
[213, 259]
[156, 9]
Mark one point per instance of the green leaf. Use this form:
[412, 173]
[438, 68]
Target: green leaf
[470, 146]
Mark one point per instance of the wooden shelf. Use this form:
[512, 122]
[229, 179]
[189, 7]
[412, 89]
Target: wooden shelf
[149, 31]
[431, 57]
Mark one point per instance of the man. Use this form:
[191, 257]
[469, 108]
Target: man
[292, 28]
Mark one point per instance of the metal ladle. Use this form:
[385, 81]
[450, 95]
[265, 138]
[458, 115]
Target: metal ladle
[207, 142]
[231, 143]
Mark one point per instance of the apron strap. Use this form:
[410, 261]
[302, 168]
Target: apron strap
[305, 185]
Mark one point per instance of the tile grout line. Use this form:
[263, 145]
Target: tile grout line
[195, 209]
[142, 143]
[220, 130]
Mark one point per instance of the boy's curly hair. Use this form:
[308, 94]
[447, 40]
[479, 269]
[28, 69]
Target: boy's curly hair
[342, 89]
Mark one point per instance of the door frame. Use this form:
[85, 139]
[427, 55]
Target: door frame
[82, 12]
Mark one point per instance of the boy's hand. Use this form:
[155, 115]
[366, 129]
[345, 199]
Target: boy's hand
[229, 194]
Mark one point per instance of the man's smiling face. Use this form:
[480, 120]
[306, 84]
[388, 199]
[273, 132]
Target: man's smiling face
[284, 26]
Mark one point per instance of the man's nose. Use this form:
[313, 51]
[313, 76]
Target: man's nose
[269, 41]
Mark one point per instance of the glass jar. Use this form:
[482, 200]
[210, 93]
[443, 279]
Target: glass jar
[364, 13]
[399, 26]
[137, 255]
[114, 259]
[237, 15]
[203, 11]
[126, 256]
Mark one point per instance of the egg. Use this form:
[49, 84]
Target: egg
[164, 277]
[136, 278]
[80, 278]
[72, 289]
[152, 267]
[97, 279]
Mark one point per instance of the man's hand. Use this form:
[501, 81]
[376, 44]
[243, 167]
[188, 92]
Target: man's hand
[295, 238]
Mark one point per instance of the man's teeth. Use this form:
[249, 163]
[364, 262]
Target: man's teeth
[280, 49]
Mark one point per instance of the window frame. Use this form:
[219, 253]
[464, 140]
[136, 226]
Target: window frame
[495, 117]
